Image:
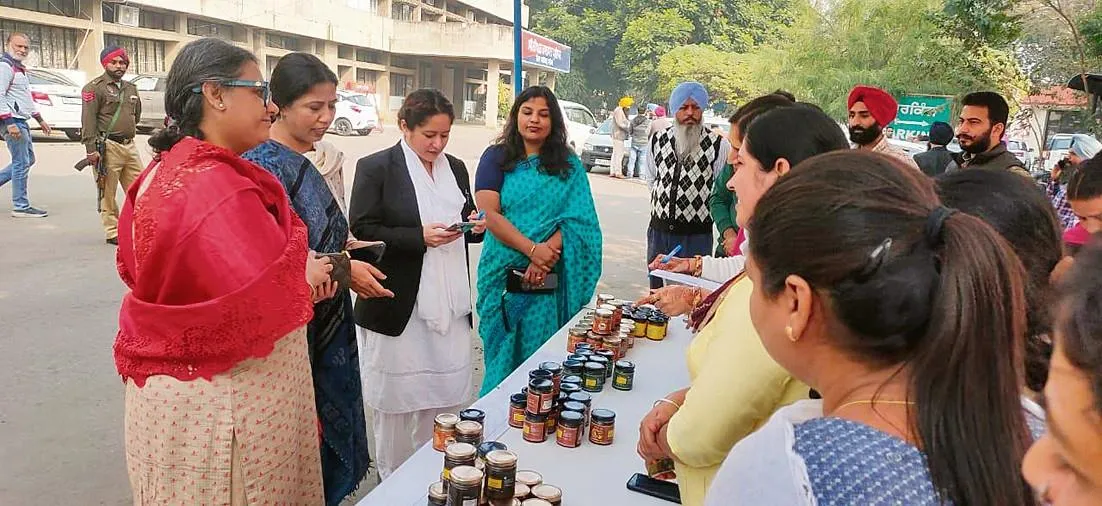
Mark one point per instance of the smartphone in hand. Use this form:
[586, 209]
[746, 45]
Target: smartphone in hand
[462, 226]
[660, 489]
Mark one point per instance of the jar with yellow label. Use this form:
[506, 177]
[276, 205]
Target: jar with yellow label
[623, 377]
[593, 380]
[457, 454]
[602, 426]
[517, 405]
[656, 327]
[501, 475]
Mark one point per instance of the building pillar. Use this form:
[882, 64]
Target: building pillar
[417, 14]
[88, 56]
[382, 94]
[551, 77]
[493, 80]
[329, 55]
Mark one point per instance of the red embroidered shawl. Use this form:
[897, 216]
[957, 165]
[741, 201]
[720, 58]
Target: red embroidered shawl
[214, 258]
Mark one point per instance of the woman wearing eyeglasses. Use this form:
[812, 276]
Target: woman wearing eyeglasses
[212, 334]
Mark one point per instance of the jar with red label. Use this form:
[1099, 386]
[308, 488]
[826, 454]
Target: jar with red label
[602, 321]
[535, 427]
[625, 344]
[443, 431]
[540, 396]
[617, 312]
[602, 426]
[615, 345]
[556, 371]
[518, 403]
[576, 336]
[595, 341]
[569, 430]
[604, 298]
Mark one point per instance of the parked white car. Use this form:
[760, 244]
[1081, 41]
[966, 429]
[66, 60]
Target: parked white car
[580, 124]
[356, 114]
[57, 98]
[597, 150]
[1057, 147]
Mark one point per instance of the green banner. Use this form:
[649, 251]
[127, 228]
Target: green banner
[916, 114]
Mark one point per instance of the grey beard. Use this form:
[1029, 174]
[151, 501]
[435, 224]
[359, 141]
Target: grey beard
[686, 138]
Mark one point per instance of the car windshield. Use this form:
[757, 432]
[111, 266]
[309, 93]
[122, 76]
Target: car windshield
[48, 78]
[605, 128]
[1060, 143]
[363, 100]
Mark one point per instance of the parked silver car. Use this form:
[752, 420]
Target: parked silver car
[151, 89]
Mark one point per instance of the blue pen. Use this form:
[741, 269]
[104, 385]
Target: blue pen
[669, 256]
[481, 214]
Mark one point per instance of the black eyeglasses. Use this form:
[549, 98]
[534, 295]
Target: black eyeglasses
[266, 93]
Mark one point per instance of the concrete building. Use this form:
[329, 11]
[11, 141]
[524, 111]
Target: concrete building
[388, 47]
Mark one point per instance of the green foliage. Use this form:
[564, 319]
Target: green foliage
[898, 46]
[725, 75]
[991, 22]
[504, 100]
[1090, 27]
[647, 38]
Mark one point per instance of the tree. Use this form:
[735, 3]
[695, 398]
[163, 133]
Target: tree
[646, 39]
[724, 74]
[992, 22]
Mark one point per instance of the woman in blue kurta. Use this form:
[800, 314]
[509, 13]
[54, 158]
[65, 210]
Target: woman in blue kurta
[542, 220]
[305, 90]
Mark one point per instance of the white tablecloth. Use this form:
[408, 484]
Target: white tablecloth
[590, 475]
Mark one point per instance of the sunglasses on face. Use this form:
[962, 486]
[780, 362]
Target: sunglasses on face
[265, 92]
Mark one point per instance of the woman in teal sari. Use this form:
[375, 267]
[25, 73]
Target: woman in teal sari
[540, 213]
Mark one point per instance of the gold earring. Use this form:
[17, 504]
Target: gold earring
[788, 330]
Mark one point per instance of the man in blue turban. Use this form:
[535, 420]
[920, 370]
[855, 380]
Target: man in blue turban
[681, 165]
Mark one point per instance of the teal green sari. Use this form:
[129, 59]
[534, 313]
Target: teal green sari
[514, 325]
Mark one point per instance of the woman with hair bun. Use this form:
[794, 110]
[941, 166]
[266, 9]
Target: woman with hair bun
[212, 333]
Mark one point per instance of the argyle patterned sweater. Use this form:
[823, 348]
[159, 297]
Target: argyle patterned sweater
[679, 196]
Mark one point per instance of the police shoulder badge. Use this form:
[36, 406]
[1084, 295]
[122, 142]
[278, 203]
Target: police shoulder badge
[88, 96]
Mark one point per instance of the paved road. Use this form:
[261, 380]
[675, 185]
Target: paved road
[61, 400]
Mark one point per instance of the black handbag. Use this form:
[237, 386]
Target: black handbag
[514, 282]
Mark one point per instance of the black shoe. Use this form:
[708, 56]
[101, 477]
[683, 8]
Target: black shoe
[29, 212]
[114, 241]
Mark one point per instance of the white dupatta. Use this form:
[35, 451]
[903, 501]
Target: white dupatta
[444, 293]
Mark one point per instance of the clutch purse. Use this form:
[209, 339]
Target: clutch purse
[342, 269]
[514, 282]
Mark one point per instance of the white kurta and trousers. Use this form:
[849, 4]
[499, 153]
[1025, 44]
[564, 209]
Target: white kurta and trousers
[427, 370]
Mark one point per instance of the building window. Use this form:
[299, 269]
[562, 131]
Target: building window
[270, 62]
[369, 56]
[426, 76]
[69, 8]
[280, 41]
[146, 18]
[455, 8]
[343, 71]
[401, 11]
[476, 73]
[371, 6]
[345, 52]
[365, 76]
[51, 47]
[400, 85]
[146, 56]
[402, 61]
[204, 28]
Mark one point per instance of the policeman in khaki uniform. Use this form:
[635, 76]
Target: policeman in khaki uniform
[112, 109]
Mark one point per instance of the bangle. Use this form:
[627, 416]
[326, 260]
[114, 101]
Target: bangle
[533, 250]
[666, 401]
[697, 265]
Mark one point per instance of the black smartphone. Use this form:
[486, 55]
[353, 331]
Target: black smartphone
[665, 490]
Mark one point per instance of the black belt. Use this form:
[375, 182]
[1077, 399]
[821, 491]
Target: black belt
[121, 139]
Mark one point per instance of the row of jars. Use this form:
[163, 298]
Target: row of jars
[487, 475]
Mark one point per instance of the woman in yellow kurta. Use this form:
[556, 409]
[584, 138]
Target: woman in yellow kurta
[735, 385]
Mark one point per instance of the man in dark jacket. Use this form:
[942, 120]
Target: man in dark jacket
[937, 158]
[983, 122]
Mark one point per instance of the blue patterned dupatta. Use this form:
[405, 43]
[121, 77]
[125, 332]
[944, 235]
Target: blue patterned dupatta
[514, 325]
[334, 356]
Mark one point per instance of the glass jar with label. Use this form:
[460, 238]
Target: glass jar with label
[576, 336]
[518, 403]
[457, 454]
[571, 368]
[602, 426]
[594, 378]
[623, 378]
[656, 327]
[614, 344]
[501, 475]
[535, 427]
[549, 493]
[468, 431]
[584, 399]
[465, 486]
[443, 431]
[556, 371]
[569, 431]
[540, 396]
[602, 322]
[473, 414]
[609, 359]
[437, 494]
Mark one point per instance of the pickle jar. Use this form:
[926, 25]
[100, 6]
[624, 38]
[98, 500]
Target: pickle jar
[656, 327]
[540, 396]
[549, 493]
[610, 358]
[585, 400]
[594, 378]
[465, 486]
[569, 431]
[623, 378]
[518, 403]
[595, 341]
[576, 336]
[438, 496]
[535, 427]
[602, 426]
[457, 454]
[443, 431]
[468, 431]
[556, 370]
[501, 475]
[615, 345]
[473, 414]
[572, 368]
[602, 322]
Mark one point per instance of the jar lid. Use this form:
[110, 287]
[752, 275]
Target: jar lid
[573, 378]
[547, 493]
[472, 414]
[605, 296]
[613, 339]
[582, 397]
[607, 354]
[535, 501]
[552, 367]
[539, 373]
[606, 306]
[659, 319]
[569, 388]
[584, 352]
[571, 363]
[540, 384]
[436, 491]
[625, 365]
[468, 427]
[595, 366]
[501, 458]
[535, 417]
[575, 357]
[521, 398]
[571, 416]
[573, 406]
[521, 490]
[530, 478]
[466, 475]
[485, 448]
[605, 312]
[447, 419]
[603, 415]
[460, 450]
[582, 346]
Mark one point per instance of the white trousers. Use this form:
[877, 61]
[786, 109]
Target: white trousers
[399, 435]
[618, 153]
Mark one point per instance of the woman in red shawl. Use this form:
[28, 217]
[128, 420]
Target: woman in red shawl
[212, 337]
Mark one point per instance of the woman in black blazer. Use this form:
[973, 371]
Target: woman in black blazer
[415, 349]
